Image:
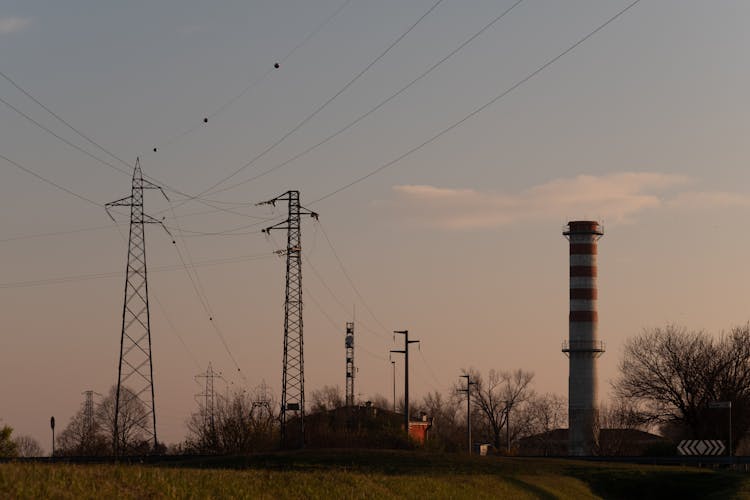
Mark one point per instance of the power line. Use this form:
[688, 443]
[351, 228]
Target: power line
[61, 138]
[376, 107]
[349, 279]
[187, 197]
[51, 183]
[478, 110]
[93, 276]
[336, 326]
[257, 81]
[335, 297]
[109, 226]
[203, 299]
[163, 311]
[59, 118]
[325, 104]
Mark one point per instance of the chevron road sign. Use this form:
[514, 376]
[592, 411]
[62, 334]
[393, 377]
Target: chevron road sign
[701, 447]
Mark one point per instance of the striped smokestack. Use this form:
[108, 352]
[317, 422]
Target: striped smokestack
[583, 346]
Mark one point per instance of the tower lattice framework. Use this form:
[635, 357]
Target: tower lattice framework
[135, 409]
[88, 414]
[293, 371]
[207, 404]
[349, 343]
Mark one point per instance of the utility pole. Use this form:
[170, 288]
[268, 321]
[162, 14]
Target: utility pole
[469, 383]
[293, 372]
[52, 426]
[349, 342]
[405, 352]
[135, 372]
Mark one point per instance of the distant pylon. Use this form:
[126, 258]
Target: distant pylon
[349, 343]
[207, 401]
[88, 414]
[293, 372]
[135, 373]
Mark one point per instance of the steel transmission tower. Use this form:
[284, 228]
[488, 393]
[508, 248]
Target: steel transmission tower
[293, 376]
[88, 414]
[207, 402]
[135, 373]
[349, 342]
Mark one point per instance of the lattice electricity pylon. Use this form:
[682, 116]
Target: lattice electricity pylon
[349, 342]
[88, 414]
[135, 372]
[207, 404]
[293, 377]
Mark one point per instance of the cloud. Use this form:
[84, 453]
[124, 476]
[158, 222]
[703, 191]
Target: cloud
[709, 199]
[614, 198]
[10, 25]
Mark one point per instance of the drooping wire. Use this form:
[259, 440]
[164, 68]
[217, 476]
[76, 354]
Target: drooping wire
[325, 104]
[61, 138]
[163, 311]
[51, 183]
[341, 304]
[255, 82]
[479, 109]
[190, 232]
[202, 298]
[158, 269]
[63, 121]
[351, 281]
[91, 155]
[429, 369]
[374, 108]
[54, 233]
[336, 326]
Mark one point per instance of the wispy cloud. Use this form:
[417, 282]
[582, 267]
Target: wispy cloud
[615, 198]
[709, 199]
[10, 25]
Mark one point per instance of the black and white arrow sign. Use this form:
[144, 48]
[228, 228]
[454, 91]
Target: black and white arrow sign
[701, 447]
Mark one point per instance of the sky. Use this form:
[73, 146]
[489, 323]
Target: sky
[642, 126]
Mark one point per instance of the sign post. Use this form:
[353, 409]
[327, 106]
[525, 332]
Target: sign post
[728, 406]
[52, 426]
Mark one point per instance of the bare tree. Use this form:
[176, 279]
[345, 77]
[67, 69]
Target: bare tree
[497, 397]
[546, 412]
[241, 422]
[130, 423]
[329, 397]
[538, 417]
[672, 374]
[380, 401]
[616, 419]
[27, 446]
[8, 448]
[83, 438]
[448, 422]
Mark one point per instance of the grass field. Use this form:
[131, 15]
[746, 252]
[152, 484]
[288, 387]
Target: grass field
[371, 474]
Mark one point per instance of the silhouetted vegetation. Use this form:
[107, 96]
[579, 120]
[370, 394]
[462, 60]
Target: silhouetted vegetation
[673, 376]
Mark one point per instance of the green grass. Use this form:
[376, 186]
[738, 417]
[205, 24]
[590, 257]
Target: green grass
[367, 474]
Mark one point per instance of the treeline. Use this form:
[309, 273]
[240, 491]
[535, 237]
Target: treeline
[679, 383]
